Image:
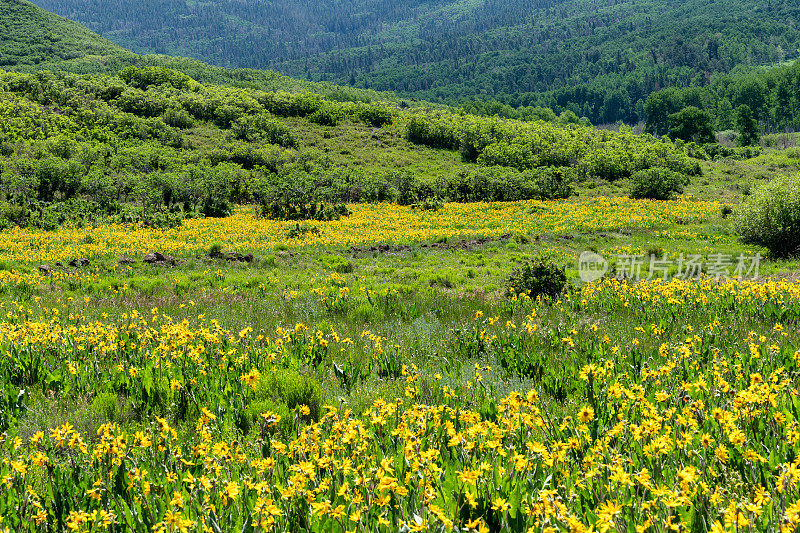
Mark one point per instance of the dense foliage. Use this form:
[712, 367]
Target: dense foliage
[153, 145]
[537, 279]
[75, 148]
[578, 150]
[599, 60]
[657, 184]
[769, 99]
[771, 217]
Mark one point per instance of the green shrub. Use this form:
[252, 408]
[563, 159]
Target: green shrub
[178, 118]
[199, 105]
[263, 128]
[293, 197]
[257, 408]
[695, 151]
[75, 211]
[429, 204]
[657, 184]
[226, 114]
[204, 189]
[548, 183]
[337, 263]
[739, 153]
[325, 116]
[433, 133]
[608, 164]
[105, 406]
[142, 78]
[444, 278]
[249, 156]
[285, 104]
[304, 211]
[294, 389]
[375, 116]
[141, 103]
[47, 179]
[149, 217]
[12, 215]
[301, 230]
[499, 184]
[540, 277]
[410, 190]
[280, 392]
[215, 207]
[111, 92]
[771, 217]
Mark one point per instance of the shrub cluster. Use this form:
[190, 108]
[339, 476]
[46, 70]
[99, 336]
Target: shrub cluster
[771, 217]
[280, 392]
[657, 184]
[263, 128]
[294, 197]
[538, 278]
[525, 145]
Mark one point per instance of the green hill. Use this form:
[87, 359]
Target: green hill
[31, 36]
[599, 59]
[152, 144]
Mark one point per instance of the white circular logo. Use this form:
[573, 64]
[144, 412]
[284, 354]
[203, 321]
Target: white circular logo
[591, 266]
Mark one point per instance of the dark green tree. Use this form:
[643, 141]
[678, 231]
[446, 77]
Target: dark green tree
[658, 107]
[747, 126]
[725, 114]
[753, 92]
[691, 124]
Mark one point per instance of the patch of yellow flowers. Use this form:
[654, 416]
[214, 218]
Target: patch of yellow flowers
[369, 224]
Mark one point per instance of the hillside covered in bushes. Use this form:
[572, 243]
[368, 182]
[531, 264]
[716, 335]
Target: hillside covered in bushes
[34, 37]
[155, 146]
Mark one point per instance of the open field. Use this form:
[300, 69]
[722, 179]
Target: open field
[372, 374]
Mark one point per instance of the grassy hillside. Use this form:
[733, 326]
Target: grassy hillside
[598, 59]
[32, 36]
[153, 144]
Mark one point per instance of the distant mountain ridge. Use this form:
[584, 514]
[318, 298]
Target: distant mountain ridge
[597, 58]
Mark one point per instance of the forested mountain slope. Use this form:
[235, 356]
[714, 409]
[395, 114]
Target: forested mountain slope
[599, 59]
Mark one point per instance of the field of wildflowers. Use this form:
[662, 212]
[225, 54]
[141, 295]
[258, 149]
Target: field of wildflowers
[368, 225]
[321, 389]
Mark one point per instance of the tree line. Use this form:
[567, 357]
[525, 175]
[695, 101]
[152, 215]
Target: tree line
[761, 102]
